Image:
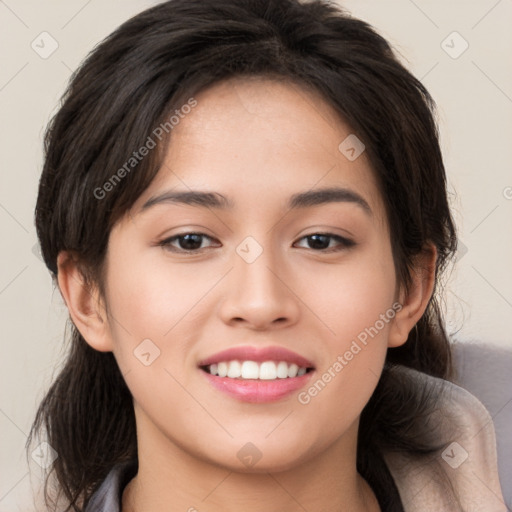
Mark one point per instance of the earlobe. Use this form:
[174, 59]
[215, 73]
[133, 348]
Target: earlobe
[414, 302]
[84, 303]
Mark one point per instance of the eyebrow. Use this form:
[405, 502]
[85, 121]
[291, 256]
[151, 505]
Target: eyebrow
[300, 200]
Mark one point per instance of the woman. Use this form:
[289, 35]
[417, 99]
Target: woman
[243, 204]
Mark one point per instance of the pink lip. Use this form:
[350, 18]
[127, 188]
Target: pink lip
[257, 391]
[257, 354]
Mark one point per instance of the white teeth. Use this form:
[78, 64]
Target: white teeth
[282, 370]
[250, 370]
[268, 370]
[234, 370]
[292, 370]
[222, 369]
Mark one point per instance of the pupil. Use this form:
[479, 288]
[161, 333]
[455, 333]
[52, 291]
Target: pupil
[190, 241]
[316, 244]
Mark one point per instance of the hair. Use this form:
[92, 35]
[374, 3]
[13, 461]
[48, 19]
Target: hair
[127, 87]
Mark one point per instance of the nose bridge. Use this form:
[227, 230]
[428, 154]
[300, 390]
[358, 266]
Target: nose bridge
[254, 268]
[257, 293]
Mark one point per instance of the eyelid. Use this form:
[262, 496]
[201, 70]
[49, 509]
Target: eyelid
[165, 243]
[346, 243]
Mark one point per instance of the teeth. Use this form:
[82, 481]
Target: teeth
[292, 370]
[268, 370]
[222, 369]
[282, 370]
[234, 370]
[250, 370]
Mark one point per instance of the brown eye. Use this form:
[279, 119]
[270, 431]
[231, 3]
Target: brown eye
[322, 242]
[186, 242]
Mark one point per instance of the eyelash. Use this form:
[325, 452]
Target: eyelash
[346, 243]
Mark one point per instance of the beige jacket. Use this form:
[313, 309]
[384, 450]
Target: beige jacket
[468, 462]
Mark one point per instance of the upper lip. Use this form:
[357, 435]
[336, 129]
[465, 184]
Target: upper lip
[257, 354]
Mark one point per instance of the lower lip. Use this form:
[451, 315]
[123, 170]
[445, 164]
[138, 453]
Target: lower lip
[258, 391]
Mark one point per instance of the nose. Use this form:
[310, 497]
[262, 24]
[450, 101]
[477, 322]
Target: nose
[259, 295]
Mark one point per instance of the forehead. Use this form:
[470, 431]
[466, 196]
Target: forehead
[276, 112]
[262, 136]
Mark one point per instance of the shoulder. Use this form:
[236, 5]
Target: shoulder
[107, 498]
[467, 462]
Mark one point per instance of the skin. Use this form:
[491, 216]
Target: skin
[257, 142]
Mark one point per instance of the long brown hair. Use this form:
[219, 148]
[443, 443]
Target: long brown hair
[130, 85]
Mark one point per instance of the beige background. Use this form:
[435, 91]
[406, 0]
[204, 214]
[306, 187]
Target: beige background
[474, 95]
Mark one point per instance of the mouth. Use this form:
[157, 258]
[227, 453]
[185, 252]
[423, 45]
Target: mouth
[257, 375]
[252, 370]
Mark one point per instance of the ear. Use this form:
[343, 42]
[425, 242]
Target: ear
[84, 302]
[416, 300]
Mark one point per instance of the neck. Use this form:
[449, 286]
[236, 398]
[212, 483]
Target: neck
[170, 478]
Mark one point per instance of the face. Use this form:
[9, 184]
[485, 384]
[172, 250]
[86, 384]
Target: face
[267, 268]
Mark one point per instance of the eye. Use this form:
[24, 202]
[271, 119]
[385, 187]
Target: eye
[187, 242]
[192, 242]
[321, 241]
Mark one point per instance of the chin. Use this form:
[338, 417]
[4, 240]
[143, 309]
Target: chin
[262, 457]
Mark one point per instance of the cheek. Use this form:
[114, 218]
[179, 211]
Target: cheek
[349, 298]
[159, 310]
[356, 303]
[151, 298]
[152, 325]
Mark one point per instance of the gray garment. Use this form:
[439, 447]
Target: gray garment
[107, 498]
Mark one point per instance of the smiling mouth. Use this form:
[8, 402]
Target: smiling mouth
[252, 370]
